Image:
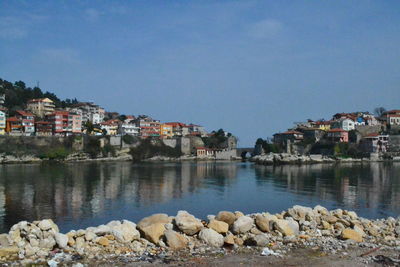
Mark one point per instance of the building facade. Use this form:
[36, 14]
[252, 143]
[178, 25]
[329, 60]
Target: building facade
[338, 135]
[41, 107]
[2, 122]
[166, 131]
[60, 122]
[148, 127]
[89, 112]
[43, 128]
[27, 120]
[374, 143]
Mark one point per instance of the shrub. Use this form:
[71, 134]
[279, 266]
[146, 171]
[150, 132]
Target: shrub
[92, 147]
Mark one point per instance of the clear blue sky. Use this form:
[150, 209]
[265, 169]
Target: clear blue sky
[250, 67]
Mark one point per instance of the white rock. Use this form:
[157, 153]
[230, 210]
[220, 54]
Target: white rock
[242, 225]
[61, 240]
[46, 225]
[187, 223]
[211, 237]
[89, 235]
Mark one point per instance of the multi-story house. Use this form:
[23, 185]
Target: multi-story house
[14, 126]
[338, 135]
[41, 107]
[75, 123]
[89, 112]
[2, 122]
[197, 130]
[179, 128]
[43, 128]
[292, 136]
[128, 127]
[322, 125]
[148, 127]
[392, 117]
[344, 124]
[110, 127]
[27, 121]
[374, 142]
[59, 120]
[166, 131]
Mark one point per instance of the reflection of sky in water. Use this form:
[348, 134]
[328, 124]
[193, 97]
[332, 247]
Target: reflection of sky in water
[81, 195]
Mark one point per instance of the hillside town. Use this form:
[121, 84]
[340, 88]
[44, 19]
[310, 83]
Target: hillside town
[46, 116]
[354, 134]
[42, 118]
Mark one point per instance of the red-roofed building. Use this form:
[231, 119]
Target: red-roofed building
[148, 127]
[110, 126]
[43, 128]
[179, 128]
[204, 152]
[27, 121]
[291, 135]
[392, 117]
[59, 121]
[338, 135]
[14, 126]
[41, 106]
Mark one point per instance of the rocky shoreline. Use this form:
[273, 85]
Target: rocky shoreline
[165, 239]
[285, 158]
[84, 157]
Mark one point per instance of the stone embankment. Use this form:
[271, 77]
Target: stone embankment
[168, 237]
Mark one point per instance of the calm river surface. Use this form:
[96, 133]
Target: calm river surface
[88, 194]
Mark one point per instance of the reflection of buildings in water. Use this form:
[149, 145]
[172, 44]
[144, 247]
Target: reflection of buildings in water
[2, 206]
[354, 185]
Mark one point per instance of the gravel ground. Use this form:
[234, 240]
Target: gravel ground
[252, 257]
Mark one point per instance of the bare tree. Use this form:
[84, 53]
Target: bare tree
[379, 111]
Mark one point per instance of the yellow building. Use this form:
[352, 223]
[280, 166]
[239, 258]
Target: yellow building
[2, 122]
[41, 106]
[166, 131]
[323, 125]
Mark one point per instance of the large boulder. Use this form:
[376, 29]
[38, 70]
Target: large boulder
[48, 224]
[155, 218]
[218, 226]
[226, 216]
[242, 225]
[264, 222]
[287, 227]
[175, 240]
[351, 234]
[125, 231]
[260, 240]
[61, 240]
[211, 237]
[187, 223]
[153, 227]
[153, 232]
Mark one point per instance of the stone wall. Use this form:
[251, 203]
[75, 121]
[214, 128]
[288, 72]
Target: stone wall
[170, 142]
[116, 141]
[226, 154]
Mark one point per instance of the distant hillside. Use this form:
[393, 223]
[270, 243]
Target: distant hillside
[17, 95]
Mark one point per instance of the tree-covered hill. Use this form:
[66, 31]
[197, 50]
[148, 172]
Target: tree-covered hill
[17, 95]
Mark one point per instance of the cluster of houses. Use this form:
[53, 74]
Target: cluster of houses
[369, 131]
[42, 118]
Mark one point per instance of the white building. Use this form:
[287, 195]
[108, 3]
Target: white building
[89, 112]
[345, 124]
[129, 128]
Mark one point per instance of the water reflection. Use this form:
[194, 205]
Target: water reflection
[79, 195]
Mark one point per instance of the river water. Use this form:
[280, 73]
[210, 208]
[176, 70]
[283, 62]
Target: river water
[79, 195]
